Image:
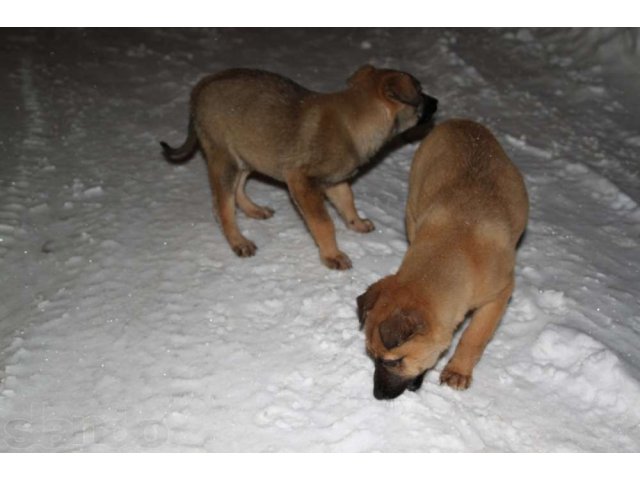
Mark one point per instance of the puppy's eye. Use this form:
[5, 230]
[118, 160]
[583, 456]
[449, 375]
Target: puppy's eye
[391, 362]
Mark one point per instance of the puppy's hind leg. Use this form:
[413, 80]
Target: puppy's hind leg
[224, 177]
[246, 204]
[341, 196]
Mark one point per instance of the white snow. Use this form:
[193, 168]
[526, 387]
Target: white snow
[127, 324]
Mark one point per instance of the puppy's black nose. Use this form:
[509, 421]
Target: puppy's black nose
[379, 394]
[430, 105]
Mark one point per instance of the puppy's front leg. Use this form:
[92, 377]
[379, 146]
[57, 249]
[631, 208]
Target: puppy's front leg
[457, 373]
[309, 198]
[341, 196]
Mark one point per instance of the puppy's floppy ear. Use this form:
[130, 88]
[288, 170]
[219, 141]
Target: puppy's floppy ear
[400, 327]
[360, 74]
[403, 88]
[366, 301]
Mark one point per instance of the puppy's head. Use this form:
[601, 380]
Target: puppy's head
[402, 337]
[400, 92]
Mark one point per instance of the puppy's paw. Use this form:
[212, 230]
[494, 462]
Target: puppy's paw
[267, 212]
[455, 379]
[245, 249]
[361, 225]
[337, 262]
[260, 213]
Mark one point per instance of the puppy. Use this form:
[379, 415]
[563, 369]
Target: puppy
[466, 211]
[251, 120]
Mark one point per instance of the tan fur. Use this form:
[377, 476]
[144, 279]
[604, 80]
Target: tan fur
[251, 120]
[466, 211]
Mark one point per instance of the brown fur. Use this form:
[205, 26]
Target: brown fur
[466, 211]
[251, 120]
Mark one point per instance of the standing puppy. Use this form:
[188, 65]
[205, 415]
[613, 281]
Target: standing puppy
[251, 120]
[466, 211]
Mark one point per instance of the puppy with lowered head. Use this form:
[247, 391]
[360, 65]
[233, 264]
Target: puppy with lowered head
[466, 211]
[251, 120]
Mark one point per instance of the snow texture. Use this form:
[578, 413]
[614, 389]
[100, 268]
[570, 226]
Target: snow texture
[127, 324]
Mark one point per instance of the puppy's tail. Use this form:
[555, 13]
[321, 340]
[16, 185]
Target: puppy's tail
[184, 151]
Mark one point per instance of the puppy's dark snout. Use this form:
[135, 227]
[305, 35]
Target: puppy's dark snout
[386, 385]
[428, 107]
[430, 104]
[379, 394]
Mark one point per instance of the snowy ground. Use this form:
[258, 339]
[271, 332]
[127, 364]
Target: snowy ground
[127, 324]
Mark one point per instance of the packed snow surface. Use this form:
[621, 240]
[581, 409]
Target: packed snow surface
[127, 324]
